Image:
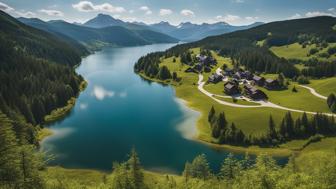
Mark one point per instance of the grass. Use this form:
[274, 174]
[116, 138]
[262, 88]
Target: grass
[297, 100]
[252, 121]
[324, 86]
[43, 133]
[295, 51]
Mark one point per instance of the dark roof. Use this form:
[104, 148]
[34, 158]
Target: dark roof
[257, 78]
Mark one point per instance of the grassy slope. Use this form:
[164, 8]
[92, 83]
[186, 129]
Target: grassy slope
[295, 51]
[324, 86]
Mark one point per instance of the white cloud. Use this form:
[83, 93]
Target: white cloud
[317, 13]
[5, 7]
[27, 14]
[146, 10]
[87, 6]
[229, 18]
[83, 106]
[123, 94]
[331, 9]
[100, 92]
[251, 18]
[239, 1]
[165, 12]
[295, 16]
[52, 12]
[186, 12]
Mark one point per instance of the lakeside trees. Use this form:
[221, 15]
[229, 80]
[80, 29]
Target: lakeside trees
[288, 129]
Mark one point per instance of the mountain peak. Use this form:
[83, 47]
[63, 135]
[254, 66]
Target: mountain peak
[103, 20]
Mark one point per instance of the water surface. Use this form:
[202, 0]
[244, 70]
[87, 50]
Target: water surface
[118, 111]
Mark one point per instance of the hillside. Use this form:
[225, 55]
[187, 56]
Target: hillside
[97, 37]
[36, 75]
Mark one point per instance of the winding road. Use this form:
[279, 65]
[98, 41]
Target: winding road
[261, 103]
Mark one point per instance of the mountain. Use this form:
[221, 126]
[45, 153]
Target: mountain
[188, 31]
[93, 38]
[36, 74]
[103, 20]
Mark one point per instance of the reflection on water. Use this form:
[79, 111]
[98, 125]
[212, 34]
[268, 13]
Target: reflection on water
[120, 110]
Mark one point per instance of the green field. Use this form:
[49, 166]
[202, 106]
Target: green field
[295, 51]
[324, 86]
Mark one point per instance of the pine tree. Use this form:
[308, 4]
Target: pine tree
[331, 99]
[211, 114]
[289, 122]
[271, 129]
[10, 171]
[136, 174]
[230, 167]
[120, 177]
[199, 168]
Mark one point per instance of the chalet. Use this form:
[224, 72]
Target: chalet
[259, 80]
[215, 78]
[237, 75]
[254, 93]
[247, 75]
[231, 88]
[198, 67]
[272, 84]
[228, 72]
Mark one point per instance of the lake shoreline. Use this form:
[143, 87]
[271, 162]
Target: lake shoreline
[254, 150]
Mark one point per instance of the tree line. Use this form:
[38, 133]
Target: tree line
[289, 129]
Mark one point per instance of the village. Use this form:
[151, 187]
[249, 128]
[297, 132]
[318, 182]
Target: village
[237, 82]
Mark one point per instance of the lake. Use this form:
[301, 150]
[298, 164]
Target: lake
[118, 111]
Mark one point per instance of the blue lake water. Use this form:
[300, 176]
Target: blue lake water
[118, 111]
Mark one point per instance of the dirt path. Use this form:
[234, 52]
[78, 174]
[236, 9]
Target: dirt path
[312, 91]
[261, 103]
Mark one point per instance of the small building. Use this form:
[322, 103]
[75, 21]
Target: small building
[215, 78]
[231, 88]
[228, 72]
[272, 84]
[259, 80]
[254, 93]
[198, 67]
[237, 76]
[247, 75]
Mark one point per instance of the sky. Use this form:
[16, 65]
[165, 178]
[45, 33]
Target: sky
[235, 12]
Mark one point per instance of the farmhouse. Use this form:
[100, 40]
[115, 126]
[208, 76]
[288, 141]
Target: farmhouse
[272, 84]
[215, 78]
[231, 88]
[254, 93]
[228, 72]
[259, 80]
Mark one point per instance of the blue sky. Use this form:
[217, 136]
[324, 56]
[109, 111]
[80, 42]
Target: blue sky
[236, 12]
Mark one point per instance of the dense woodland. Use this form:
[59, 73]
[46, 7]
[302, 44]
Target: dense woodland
[36, 74]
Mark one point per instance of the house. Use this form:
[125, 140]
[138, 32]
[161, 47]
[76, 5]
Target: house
[231, 88]
[237, 75]
[228, 72]
[254, 93]
[247, 75]
[259, 80]
[198, 67]
[272, 84]
[215, 78]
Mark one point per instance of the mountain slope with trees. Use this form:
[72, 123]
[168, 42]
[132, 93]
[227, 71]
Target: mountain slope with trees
[36, 74]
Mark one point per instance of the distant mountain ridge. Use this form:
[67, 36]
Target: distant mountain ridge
[95, 38]
[185, 31]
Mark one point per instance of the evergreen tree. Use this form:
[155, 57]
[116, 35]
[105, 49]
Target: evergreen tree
[231, 167]
[281, 79]
[211, 114]
[120, 177]
[10, 170]
[331, 99]
[164, 73]
[271, 129]
[199, 168]
[136, 174]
